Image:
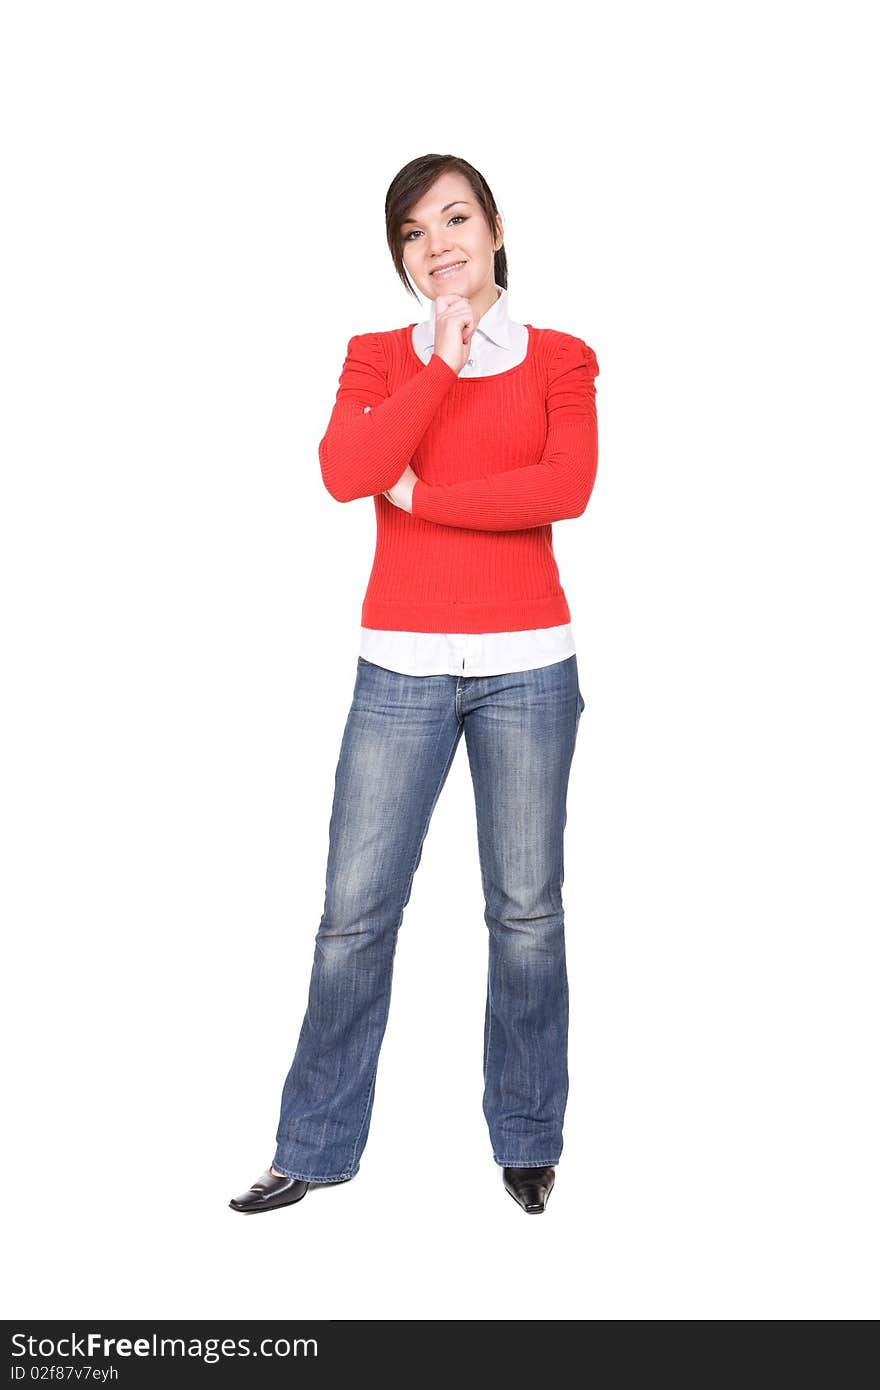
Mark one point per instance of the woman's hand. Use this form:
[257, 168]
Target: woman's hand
[401, 494]
[454, 327]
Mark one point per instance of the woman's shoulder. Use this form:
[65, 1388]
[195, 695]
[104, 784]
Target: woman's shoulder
[561, 350]
[383, 345]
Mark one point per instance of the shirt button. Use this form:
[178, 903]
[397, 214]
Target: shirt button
[470, 362]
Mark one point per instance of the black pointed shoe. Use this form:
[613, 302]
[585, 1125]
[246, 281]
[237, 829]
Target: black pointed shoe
[269, 1192]
[530, 1187]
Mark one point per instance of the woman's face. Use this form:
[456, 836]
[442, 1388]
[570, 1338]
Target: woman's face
[445, 226]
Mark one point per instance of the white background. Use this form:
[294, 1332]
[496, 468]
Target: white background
[193, 229]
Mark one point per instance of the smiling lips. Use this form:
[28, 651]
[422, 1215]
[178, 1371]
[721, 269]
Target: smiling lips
[444, 270]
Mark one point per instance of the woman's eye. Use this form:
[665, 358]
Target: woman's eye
[457, 217]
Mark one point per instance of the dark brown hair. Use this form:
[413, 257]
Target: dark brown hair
[412, 183]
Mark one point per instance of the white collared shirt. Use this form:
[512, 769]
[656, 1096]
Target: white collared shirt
[497, 345]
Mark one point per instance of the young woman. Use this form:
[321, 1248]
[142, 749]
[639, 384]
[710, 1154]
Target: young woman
[473, 434]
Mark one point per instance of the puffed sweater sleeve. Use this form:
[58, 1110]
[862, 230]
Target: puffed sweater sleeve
[558, 486]
[372, 435]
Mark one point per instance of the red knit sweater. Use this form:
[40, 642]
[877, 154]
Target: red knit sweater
[499, 458]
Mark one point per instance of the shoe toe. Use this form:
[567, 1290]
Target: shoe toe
[530, 1187]
[270, 1191]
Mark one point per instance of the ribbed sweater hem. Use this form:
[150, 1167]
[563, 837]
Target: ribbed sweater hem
[451, 615]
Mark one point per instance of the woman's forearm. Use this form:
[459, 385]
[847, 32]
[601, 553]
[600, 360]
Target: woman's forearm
[372, 436]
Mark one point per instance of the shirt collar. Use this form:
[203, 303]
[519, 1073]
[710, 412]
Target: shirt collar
[494, 324]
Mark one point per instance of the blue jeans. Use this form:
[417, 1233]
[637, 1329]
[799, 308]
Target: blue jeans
[397, 748]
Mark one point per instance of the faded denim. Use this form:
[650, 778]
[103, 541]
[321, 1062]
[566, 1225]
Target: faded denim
[400, 737]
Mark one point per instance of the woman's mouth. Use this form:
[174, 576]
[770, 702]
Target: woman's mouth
[448, 270]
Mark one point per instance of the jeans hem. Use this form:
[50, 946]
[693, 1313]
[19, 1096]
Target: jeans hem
[526, 1162]
[313, 1177]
